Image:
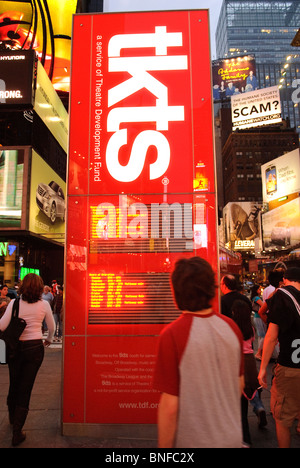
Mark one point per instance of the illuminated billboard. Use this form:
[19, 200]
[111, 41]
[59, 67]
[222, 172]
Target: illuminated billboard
[281, 176]
[261, 107]
[242, 225]
[50, 108]
[42, 26]
[13, 187]
[281, 226]
[141, 194]
[47, 201]
[16, 78]
[233, 76]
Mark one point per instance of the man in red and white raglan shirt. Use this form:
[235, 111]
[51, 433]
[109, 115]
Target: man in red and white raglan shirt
[199, 368]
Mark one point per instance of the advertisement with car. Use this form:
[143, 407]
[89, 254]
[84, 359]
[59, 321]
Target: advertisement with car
[47, 201]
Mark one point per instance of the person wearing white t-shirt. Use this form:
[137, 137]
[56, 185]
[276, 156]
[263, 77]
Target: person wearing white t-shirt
[275, 277]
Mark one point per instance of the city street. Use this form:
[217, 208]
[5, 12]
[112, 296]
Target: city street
[43, 425]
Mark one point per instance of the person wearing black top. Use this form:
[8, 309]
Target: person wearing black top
[229, 289]
[284, 326]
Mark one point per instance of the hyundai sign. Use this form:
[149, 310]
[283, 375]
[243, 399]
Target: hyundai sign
[16, 78]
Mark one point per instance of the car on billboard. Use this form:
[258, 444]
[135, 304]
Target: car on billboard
[51, 200]
[281, 234]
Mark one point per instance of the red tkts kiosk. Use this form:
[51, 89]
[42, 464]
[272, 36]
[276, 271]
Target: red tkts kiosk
[141, 194]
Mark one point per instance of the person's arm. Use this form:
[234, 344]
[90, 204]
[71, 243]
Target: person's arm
[263, 312]
[50, 324]
[6, 318]
[167, 420]
[269, 345]
[242, 384]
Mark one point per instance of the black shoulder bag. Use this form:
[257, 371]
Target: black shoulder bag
[14, 330]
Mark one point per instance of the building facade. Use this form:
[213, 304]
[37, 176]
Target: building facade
[265, 29]
[245, 152]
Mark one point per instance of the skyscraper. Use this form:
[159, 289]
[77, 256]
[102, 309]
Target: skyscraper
[265, 29]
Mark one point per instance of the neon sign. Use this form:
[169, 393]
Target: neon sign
[7, 249]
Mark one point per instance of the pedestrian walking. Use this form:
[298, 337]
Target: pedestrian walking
[57, 307]
[230, 293]
[260, 326]
[199, 368]
[24, 366]
[4, 299]
[242, 317]
[284, 326]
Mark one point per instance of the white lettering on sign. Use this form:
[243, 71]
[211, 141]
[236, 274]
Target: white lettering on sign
[244, 244]
[15, 94]
[137, 220]
[296, 353]
[12, 57]
[161, 114]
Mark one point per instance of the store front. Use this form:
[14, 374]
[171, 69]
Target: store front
[33, 138]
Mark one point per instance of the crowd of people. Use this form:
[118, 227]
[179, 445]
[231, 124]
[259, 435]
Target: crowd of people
[206, 368]
[54, 296]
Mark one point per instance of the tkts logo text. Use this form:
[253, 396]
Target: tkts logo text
[156, 117]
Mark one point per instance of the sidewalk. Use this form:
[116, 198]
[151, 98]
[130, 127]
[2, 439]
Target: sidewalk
[43, 425]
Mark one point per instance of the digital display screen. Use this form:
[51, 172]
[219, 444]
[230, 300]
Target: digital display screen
[11, 187]
[16, 78]
[131, 298]
[130, 227]
[133, 243]
[25, 271]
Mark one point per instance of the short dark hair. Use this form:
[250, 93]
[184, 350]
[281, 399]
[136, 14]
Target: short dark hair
[230, 282]
[275, 277]
[292, 274]
[194, 286]
[254, 290]
[31, 288]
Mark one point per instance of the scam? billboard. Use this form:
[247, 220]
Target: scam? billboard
[141, 194]
[261, 107]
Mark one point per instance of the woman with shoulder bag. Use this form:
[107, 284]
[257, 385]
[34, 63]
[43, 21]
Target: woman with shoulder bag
[24, 366]
[258, 322]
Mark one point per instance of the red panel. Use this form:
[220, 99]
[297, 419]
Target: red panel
[76, 267]
[79, 107]
[141, 195]
[74, 380]
[119, 376]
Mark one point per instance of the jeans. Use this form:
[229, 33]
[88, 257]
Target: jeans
[58, 325]
[23, 369]
[257, 403]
